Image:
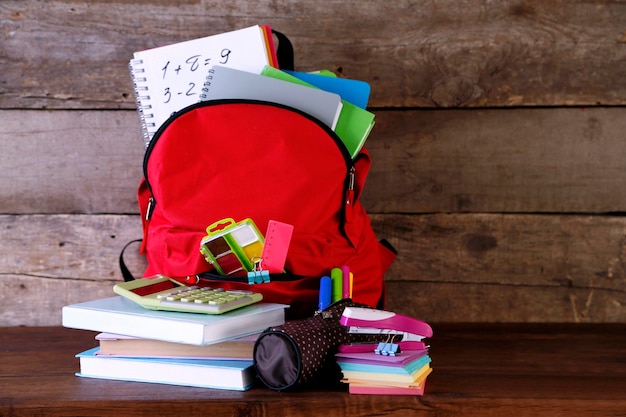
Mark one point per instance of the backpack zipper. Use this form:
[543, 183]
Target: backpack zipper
[350, 191]
[150, 206]
[351, 170]
[210, 276]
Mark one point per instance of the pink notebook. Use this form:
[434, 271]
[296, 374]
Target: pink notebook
[365, 389]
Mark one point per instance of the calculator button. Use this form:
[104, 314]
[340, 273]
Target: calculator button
[209, 300]
[163, 296]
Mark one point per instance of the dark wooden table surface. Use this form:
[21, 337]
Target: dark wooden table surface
[479, 370]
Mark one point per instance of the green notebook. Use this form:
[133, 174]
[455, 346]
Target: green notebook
[354, 124]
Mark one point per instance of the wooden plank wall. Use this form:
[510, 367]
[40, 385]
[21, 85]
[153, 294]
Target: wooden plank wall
[498, 150]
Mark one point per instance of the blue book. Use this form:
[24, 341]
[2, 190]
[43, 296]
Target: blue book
[237, 375]
[356, 92]
[122, 316]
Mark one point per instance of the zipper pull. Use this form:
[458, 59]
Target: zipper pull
[350, 192]
[349, 207]
[150, 208]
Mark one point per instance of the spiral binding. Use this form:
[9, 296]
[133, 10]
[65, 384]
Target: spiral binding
[142, 99]
[207, 85]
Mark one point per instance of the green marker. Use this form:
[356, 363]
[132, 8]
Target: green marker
[336, 275]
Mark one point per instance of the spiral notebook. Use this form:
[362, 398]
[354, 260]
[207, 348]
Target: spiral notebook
[168, 78]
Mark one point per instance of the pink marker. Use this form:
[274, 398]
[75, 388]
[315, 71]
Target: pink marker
[346, 281]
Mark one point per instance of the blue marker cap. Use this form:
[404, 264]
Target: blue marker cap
[326, 289]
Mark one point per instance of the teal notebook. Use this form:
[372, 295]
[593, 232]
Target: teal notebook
[354, 124]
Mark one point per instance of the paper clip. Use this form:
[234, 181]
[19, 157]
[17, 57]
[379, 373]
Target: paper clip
[258, 275]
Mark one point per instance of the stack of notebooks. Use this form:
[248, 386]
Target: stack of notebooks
[201, 350]
[242, 64]
[374, 373]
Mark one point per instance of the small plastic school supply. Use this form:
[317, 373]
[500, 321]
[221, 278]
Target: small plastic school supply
[276, 246]
[347, 279]
[163, 293]
[326, 292]
[386, 323]
[232, 247]
[258, 275]
[337, 279]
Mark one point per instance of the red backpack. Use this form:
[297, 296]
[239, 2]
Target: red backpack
[244, 159]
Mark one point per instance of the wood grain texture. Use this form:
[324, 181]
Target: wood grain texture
[67, 54]
[507, 268]
[450, 267]
[424, 161]
[478, 370]
[70, 161]
[522, 160]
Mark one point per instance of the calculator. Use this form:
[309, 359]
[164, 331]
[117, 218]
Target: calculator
[163, 293]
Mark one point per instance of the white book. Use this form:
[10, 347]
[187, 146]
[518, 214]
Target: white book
[122, 316]
[168, 78]
[230, 83]
[236, 375]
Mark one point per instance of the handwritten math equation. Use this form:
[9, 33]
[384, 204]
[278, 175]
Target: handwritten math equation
[174, 71]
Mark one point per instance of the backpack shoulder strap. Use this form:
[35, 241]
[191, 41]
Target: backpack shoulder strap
[126, 274]
[284, 51]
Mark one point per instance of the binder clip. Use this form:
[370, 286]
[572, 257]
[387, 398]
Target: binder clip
[400, 332]
[258, 275]
[388, 348]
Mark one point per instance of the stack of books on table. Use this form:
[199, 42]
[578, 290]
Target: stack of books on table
[373, 373]
[201, 350]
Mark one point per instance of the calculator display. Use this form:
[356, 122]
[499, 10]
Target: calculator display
[154, 288]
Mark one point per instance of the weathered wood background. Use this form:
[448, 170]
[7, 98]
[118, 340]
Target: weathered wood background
[499, 149]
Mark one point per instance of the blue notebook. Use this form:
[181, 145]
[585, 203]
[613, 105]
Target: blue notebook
[236, 375]
[356, 92]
